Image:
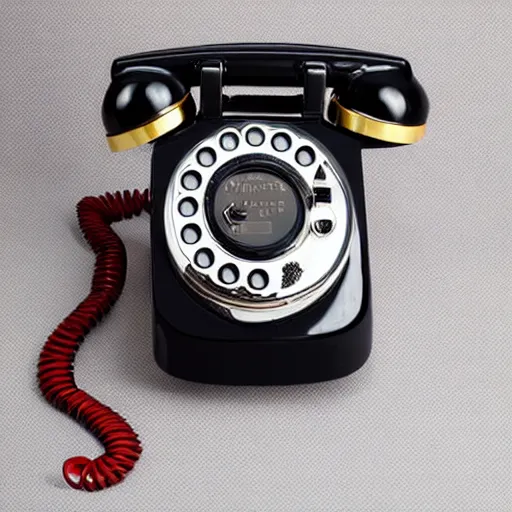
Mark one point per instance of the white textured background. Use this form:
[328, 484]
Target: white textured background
[424, 426]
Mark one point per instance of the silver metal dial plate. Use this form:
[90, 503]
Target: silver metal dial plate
[252, 290]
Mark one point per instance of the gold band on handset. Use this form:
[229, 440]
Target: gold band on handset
[168, 119]
[369, 127]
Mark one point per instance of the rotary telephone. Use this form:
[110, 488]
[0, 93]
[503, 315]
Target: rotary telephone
[259, 254]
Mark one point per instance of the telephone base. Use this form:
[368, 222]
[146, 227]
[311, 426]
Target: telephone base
[263, 363]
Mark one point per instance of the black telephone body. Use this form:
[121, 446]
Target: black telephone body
[259, 252]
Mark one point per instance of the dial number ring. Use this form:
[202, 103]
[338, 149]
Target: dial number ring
[320, 255]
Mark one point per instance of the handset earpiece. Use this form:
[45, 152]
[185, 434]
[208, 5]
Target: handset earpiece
[142, 104]
[381, 102]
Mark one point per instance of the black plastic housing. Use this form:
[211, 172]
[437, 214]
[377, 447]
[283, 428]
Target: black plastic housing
[375, 102]
[193, 342]
[260, 64]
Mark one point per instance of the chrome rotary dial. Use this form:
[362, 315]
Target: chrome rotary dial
[259, 220]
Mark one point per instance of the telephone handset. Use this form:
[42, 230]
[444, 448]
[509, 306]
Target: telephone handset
[259, 254]
[374, 95]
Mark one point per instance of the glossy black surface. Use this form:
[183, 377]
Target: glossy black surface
[259, 63]
[388, 96]
[211, 90]
[276, 362]
[315, 80]
[262, 104]
[137, 97]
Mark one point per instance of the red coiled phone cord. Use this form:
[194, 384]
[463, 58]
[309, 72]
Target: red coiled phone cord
[56, 380]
